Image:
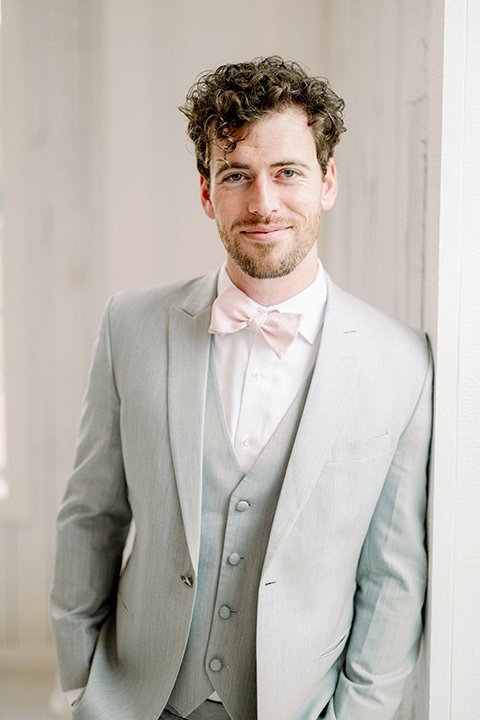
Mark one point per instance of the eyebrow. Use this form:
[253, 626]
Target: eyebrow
[231, 165]
[244, 166]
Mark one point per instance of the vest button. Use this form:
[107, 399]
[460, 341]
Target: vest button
[242, 506]
[234, 559]
[224, 612]
[216, 665]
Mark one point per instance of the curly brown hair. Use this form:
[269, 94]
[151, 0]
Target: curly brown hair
[220, 102]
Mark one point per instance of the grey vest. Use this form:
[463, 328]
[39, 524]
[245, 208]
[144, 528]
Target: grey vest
[237, 515]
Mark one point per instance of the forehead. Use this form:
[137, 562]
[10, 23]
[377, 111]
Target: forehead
[272, 137]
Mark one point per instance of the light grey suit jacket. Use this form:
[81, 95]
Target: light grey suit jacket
[343, 582]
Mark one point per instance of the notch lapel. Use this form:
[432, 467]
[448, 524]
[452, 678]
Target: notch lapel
[189, 349]
[326, 404]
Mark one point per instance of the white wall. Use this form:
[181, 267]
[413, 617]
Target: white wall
[376, 53]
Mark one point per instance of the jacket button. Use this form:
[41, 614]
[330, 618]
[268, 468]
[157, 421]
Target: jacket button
[187, 580]
[234, 559]
[216, 664]
[242, 506]
[224, 612]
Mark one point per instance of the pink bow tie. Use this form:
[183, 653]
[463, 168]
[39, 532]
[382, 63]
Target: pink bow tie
[232, 311]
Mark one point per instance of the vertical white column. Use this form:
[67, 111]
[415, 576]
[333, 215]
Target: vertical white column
[455, 536]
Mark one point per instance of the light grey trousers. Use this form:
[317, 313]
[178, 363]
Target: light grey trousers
[206, 711]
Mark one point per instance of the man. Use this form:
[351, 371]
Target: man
[269, 436]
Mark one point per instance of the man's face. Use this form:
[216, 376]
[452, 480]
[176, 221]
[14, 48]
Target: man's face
[268, 194]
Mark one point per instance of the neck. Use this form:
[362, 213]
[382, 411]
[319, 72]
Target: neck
[273, 291]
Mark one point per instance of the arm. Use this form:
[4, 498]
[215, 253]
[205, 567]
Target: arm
[391, 580]
[92, 525]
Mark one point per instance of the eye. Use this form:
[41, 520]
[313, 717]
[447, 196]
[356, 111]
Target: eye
[234, 178]
[289, 174]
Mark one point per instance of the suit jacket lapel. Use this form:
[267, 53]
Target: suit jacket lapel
[189, 347]
[327, 401]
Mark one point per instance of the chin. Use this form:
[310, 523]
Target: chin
[262, 270]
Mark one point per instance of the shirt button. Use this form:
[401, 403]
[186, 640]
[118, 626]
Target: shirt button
[242, 506]
[216, 664]
[246, 442]
[257, 376]
[224, 612]
[234, 559]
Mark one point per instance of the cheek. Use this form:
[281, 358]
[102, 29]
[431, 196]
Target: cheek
[304, 200]
[226, 209]
[309, 212]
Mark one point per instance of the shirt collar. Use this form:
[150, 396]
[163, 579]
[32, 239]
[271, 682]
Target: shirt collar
[310, 302]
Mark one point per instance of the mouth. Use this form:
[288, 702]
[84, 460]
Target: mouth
[267, 233]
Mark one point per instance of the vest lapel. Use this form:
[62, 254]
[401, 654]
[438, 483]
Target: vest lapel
[189, 343]
[326, 404]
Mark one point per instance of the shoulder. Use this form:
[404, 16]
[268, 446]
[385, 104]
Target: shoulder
[386, 342]
[143, 306]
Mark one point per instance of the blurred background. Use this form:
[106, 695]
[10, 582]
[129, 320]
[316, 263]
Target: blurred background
[99, 193]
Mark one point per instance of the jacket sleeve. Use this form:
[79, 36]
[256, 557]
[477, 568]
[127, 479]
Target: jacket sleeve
[391, 580]
[92, 524]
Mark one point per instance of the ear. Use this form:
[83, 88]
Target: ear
[329, 186]
[205, 198]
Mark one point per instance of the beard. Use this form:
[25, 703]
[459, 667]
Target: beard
[260, 260]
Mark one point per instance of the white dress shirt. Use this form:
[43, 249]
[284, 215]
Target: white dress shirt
[256, 387]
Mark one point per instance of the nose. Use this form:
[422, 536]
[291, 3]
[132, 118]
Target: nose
[263, 197]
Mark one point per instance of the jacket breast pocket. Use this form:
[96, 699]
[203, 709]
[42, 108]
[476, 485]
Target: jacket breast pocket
[361, 450]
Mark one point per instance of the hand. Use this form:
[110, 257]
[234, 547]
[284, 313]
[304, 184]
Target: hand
[73, 695]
